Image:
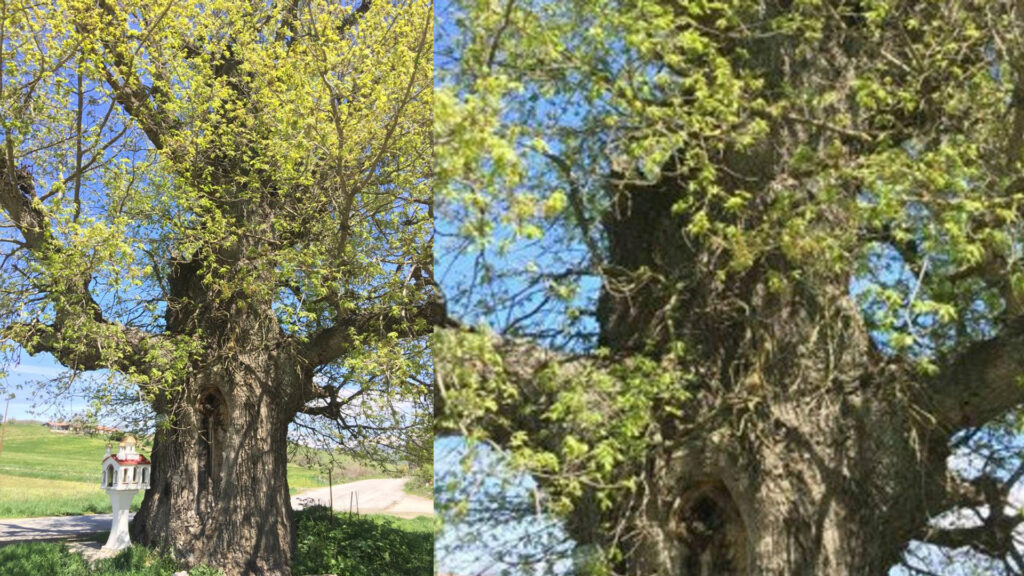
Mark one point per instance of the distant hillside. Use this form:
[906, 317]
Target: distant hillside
[49, 474]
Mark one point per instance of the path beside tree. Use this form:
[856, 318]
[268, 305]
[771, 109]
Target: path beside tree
[377, 496]
[53, 527]
[380, 496]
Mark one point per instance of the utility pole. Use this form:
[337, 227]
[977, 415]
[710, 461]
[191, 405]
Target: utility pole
[3, 425]
[330, 489]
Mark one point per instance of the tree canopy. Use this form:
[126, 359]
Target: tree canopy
[226, 209]
[280, 150]
[663, 210]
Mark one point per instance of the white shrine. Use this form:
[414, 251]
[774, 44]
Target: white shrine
[124, 474]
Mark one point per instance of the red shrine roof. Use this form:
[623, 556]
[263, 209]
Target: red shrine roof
[132, 459]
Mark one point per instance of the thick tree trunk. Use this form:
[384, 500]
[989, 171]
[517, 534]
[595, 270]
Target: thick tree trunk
[830, 488]
[219, 492]
[800, 451]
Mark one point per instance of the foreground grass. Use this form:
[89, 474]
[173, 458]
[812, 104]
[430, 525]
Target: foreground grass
[371, 545]
[51, 558]
[353, 546]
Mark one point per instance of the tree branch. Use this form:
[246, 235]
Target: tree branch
[134, 97]
[18, 199]
[982, 382]
[79, 334]
[353, 17]
[333, 342]
[332, 409]
[576, 201]
[86, 350]
[491, 366]
[994, 537]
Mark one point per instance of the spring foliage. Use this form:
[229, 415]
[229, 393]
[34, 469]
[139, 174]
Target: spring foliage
[871, 148]
[279, 151]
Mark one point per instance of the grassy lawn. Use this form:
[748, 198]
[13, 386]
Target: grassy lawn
[48, 474]
[358, 546]
[54, 558]
[22, 497]
[300, 478]
[32, 451]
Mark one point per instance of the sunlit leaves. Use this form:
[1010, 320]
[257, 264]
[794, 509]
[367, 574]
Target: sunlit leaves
[819, 149]
[582, 422]
[281, 152]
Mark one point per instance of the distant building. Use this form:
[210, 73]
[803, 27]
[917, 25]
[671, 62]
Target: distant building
[65, 427]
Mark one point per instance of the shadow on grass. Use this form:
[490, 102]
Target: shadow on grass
[362, 545]
[326, 544]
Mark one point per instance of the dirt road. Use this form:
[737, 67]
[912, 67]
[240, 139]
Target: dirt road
[382, 496]
[52, 527]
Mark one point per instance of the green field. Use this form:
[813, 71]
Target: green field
[48, 474]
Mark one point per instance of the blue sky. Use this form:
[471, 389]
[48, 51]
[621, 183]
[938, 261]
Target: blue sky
[481, 476]
[23, 378]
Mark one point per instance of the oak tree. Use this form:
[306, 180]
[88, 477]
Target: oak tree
[227, 207]
[740, 283]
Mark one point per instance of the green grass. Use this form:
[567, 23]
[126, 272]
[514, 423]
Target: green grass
[369, 545]
[32, 451]
[417, 487]
[305, 475]
[354, 546]
[48, 474]
[300, 479]
[421, 482]
[22, 498]
[53, 558]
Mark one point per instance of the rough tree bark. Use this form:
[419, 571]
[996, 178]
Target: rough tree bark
[219, 491]
[804, 449]
[804, 456]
